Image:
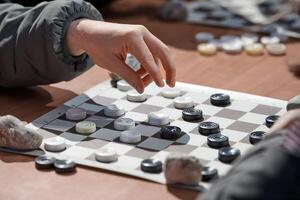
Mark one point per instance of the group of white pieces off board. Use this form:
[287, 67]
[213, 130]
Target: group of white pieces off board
[251, 43]
[129, 135]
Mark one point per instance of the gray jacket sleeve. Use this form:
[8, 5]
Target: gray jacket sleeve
[33, 47]
[266, 172]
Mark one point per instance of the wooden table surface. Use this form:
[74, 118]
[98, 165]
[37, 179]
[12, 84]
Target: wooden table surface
[263, 75]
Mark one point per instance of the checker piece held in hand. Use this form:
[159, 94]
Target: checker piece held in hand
[134, 96]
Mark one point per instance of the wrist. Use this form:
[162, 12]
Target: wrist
[74, 39]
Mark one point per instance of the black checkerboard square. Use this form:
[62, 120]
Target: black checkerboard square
[146, 109]
[106, 134]
[155, 144]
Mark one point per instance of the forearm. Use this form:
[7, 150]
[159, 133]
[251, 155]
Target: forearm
[33, 46]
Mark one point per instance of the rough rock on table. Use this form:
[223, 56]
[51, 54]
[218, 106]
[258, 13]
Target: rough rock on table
[14, 134]
[182, 168]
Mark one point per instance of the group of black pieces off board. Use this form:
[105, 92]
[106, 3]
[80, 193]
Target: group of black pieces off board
[212, 130]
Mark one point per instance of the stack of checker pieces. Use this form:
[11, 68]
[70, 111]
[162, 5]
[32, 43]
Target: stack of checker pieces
[245, 114]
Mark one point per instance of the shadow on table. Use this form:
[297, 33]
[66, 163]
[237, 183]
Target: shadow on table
[14, 158]
[182, 193]
[30, 103]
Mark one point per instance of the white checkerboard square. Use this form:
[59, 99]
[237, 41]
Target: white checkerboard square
[209, 110]
[223, 122]
[78, 152]
[136, 116]
[127, 105]
[233, 135]
[253, 118]
[113, 93]
[159, 101]
[205, 153]
[185, 126]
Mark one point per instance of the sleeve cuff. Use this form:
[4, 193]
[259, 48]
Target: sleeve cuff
[67, 13]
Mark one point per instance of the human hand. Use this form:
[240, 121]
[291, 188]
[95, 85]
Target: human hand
[287, 121]
[107, 44]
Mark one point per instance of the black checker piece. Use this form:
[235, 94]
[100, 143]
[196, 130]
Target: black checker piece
[220, 99]
[64, 166]
[208, 128]
[192, 114]
[209, 173]
[44, 162]
[171, 132]
[217, 141]
[256, 137]
[270, 120]
[228, 154]
[151, 166]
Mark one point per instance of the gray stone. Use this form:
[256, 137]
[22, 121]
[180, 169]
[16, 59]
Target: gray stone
[14, 134]
[293, 103]
[182, 168]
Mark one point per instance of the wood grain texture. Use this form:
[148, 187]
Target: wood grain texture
[265, 75]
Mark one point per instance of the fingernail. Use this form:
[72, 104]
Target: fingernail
[161, 84]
